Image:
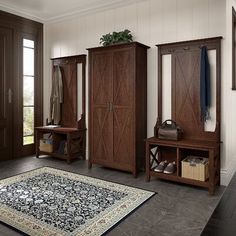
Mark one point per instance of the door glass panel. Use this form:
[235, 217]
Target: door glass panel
[28, 91]
[28, 121]
[28, 140]
[28, 43]
[28, 61]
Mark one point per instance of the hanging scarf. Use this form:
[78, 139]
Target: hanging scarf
[205, 86]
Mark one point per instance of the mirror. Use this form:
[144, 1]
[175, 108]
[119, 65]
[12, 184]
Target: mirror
[210, 124]
[166, 87]
[79, 90]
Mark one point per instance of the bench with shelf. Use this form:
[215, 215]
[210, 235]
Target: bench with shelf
[69, 135]
[158, 150]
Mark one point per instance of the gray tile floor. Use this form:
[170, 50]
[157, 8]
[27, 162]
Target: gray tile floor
[176, 210]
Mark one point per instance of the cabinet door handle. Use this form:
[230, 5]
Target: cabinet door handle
[9, 96]
[110, 107]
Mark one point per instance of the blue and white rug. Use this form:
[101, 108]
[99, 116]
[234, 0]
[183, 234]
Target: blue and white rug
[51, 202]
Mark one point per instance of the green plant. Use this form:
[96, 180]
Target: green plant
[116, 37]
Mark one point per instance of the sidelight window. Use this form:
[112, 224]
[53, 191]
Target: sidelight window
[28, 91]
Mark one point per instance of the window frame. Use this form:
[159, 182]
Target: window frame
[33, 77]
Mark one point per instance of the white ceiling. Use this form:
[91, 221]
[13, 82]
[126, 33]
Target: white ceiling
[51, 10]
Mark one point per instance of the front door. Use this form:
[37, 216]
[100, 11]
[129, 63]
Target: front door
[6, 65]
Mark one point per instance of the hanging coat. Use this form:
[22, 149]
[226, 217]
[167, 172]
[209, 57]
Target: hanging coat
[56, 98]
[205, 85]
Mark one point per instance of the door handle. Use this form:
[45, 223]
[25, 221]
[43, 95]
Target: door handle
[9, 96]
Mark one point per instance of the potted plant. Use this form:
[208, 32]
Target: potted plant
[116, 37]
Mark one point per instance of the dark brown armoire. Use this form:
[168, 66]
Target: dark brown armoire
[118, 106]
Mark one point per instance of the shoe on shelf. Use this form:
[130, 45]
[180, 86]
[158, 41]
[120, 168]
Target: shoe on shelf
[161, 166]
[170, 168]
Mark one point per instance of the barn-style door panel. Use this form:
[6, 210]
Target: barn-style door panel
[186, 89]
[123, 92]
[101, 111]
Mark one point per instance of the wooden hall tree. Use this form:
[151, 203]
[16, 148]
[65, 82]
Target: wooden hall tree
[185, 108]
[118, 106]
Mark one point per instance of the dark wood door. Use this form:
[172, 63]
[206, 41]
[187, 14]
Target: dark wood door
[6, 65]
[101, 116]
[123, 99]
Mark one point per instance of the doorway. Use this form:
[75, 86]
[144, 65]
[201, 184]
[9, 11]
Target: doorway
[6, 114]
[21, 84]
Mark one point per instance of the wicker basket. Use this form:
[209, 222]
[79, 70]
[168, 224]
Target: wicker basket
[194, 167]
[46, 145]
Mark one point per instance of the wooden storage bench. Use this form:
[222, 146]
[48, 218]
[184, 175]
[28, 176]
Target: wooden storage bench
[159, 150]
[70, 135]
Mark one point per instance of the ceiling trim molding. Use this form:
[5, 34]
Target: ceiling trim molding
[89, 11]
[70, 15]
[20, 12]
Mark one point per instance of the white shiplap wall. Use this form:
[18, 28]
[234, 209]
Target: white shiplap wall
[228, 129]
[151, 22]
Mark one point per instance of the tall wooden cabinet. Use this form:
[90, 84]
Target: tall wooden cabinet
[118, 106]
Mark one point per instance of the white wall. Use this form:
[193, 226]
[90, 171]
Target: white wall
[152, 22]
[228, 100]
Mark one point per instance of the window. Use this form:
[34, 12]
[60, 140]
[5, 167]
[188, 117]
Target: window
[233, 49]
[28, 91]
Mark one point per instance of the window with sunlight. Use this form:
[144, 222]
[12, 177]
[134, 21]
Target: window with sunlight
[28, 91]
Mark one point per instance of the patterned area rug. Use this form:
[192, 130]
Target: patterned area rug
[51, 202]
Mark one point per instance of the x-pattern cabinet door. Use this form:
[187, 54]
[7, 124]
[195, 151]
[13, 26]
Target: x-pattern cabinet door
[101, 116]
[123, 112]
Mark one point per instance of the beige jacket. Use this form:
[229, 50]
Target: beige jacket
[56, 96]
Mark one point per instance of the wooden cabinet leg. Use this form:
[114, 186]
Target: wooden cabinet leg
[147, 177]
[135, 173]
[147, 162]
[89, 164]
[84, 145]
[211, 190]
[37, 143]
[211, 172]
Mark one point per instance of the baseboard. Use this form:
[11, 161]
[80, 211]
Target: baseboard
[227, 174]
[224, 177]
